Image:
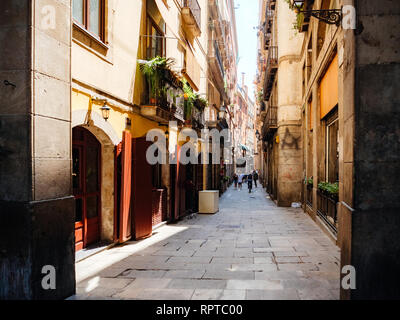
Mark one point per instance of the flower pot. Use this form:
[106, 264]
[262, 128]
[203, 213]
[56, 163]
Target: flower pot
[153, 101]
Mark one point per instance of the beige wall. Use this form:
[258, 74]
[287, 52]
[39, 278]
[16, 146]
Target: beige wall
[111, 70]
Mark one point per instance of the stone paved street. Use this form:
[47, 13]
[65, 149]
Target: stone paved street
[249, 250]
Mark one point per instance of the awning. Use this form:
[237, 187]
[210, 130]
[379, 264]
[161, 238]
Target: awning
[243, 147]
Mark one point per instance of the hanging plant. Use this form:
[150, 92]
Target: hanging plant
[157, 72]
[330, 189]
[299, 16]
[190, 98]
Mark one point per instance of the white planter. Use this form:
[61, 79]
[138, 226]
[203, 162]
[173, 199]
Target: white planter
[209, 202]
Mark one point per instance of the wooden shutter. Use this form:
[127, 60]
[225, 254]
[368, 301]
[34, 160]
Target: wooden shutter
[126, 184]
[142, 190]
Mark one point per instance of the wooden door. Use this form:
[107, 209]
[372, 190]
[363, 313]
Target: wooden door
[176, 172]
[142, 190]
[86, 152]
[126, 187]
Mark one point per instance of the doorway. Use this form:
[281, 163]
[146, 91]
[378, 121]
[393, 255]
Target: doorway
[86, 157]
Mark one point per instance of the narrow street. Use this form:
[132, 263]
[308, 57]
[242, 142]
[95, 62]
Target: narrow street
[251, 250]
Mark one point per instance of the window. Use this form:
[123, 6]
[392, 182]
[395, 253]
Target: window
[155, 40]
[89, 14]
[332, 148]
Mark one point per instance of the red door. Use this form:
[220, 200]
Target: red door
[142, 190]
[126, 187]
[86, 153]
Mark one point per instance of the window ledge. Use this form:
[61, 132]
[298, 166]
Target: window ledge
[91, 35]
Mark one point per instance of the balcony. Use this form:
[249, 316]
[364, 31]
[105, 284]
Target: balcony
[270, 121]
[191, 14]
[216, 66]
[155, 113]
[269, 20]
[270, 71]
[327, 210]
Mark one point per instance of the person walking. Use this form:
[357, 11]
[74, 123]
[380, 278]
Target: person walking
[235, 179]
[255, 177]
[250, 182]
[240, 181]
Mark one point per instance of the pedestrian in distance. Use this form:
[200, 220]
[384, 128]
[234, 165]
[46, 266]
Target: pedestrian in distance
[250, 182]
[240, 181]
[255, 178]
[235, 179]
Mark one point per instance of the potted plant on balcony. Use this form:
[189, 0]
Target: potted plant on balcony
[330, 190]
[201, 103]
[190, 98]
[156, 72]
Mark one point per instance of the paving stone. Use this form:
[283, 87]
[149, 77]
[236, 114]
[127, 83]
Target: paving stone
[288, 294]
[158, 294]
[304, 255]
[149, 274]
[243, 252]
[280, 275]
[184, 274]
[197, 284]
[207, 294]
[288, 260]
[316, 294]
[104, 283]
[232, 260]
[233, 295]
[231, 274]
[263, 260]
[254, 284]
[189, 260]
[256, 267]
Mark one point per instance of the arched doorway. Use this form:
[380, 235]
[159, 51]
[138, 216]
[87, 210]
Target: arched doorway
[86, 156]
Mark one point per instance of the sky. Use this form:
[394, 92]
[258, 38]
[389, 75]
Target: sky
[246, 21]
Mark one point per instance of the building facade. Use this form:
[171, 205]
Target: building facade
[83, 172]
[321, 130]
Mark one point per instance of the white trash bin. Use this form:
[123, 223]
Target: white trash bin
[209, 202]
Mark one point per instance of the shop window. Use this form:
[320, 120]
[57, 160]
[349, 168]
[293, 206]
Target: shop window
[90, 15]
[332, 147]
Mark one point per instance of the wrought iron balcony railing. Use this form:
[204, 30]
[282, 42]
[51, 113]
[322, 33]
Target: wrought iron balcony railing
[219, 58]
[272, 117]
[270, 71]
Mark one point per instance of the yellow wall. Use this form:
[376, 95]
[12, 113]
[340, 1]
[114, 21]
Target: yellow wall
[139, 128]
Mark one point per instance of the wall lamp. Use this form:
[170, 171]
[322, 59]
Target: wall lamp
[330, 16]
[105, 110]
[258, 135]
[221, 113]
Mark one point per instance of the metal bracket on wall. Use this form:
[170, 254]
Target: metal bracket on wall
[8, 83]
[331, 16]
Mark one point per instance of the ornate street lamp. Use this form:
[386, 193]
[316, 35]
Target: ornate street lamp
[330, 16]
[105, 111]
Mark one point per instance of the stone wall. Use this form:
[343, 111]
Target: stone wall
[37, 207]
[373, 242]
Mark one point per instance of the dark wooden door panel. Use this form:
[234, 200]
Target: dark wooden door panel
[86, 163]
